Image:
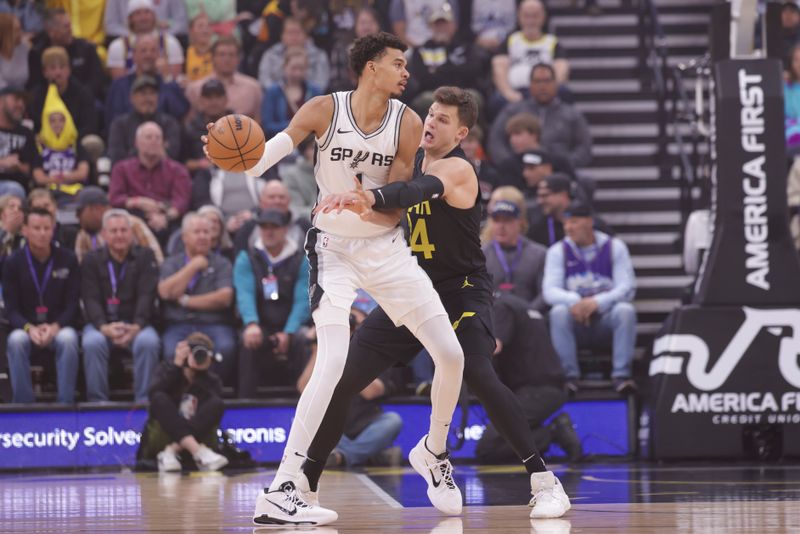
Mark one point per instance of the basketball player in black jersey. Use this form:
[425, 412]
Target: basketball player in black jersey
[443, 218]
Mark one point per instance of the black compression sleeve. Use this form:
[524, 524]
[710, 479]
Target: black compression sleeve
[407, 194]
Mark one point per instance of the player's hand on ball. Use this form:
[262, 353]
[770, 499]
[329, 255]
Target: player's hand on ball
[204, 139]
[358, 201]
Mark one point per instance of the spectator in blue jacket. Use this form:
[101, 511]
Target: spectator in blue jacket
[283, 99]
[271, 282]
[589, 282]
[171, 99]
[41, 288]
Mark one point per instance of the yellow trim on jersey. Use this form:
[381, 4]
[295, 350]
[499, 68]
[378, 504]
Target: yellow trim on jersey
[463, 316]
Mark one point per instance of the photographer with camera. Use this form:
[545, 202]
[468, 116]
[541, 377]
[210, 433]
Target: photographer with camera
[185, 408]
[271, 281]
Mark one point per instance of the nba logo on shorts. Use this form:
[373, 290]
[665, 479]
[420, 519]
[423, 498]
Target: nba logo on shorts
[324, 241]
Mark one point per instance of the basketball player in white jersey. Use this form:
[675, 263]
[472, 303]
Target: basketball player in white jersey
[368, 134]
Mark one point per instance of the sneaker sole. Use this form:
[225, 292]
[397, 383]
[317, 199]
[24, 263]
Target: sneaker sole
[265, 520]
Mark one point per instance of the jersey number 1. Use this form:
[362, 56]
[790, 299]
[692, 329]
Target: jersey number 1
[419, 238]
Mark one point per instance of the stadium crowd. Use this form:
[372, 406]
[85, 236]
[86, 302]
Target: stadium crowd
[118, 237]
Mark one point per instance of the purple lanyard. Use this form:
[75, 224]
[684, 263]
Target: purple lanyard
[195, 278]
[551, 231]
[40, 286]
[501, 257]
[94, 242]
[113, 276]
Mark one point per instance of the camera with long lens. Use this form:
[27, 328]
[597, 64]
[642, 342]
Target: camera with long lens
[200, 353]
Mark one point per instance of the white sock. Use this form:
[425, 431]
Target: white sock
[437, 335]
[333, 339]
[289, 469]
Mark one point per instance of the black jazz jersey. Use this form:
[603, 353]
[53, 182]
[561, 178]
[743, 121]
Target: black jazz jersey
[445, 240]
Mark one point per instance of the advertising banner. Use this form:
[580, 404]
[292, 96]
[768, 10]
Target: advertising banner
[110, 437]
[751, 261]
[725, 383]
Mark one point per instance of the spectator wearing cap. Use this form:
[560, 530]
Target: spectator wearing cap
[196, 291]
[283, 99]
[84, 62]
[170, 16]
[77, 97]
[144, 99]
[171, 99]
[244, 92]
[274, 195]
[590, 284]
[443, 59]
[515, 262]
[92, 205]
[151, 184]
[118, 291]
[271, 281]
[141, 19]
[564, 130]
[524, 136]
[270, 68]
[553, 194]
[13, 53]
[18, 154]
[41, 289]
[410, 20]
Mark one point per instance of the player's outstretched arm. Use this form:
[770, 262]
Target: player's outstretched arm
[313, 117]
[453, 179]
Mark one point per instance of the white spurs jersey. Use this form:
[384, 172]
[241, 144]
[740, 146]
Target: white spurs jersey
[344, 152]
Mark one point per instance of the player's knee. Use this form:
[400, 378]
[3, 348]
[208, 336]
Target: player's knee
[328, 314]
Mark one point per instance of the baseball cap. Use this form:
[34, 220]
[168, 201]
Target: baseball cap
[558, 183]
[135, 5]
[12, 90]
[504, 208]
[92, 196]
[272, 216]
[212, 87]
[536, 157]
[143, 81]
[443, 13]
[578, 208]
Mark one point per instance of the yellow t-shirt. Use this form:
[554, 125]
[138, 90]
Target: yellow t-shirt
[197, 66]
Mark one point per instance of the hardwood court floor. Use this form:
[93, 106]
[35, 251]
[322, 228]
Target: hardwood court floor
[611, 498]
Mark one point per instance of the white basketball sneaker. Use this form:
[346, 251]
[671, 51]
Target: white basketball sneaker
[168, 461]
[438, 473]
[302, 485]
[549, 498]
[208, 460]
[286, 506]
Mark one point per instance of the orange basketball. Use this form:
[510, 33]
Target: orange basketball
[235, 143]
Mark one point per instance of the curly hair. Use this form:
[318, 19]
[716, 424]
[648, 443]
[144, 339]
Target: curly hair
[371, 48]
